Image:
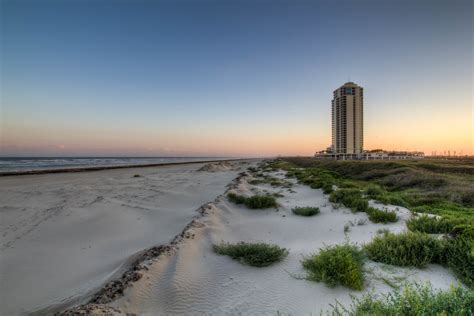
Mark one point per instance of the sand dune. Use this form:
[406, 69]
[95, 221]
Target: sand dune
[65, 235]
[194, 280]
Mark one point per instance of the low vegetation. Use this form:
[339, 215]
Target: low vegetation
[337, 265]
[381, 216]
[440, 187]
[305, 211]
[432, 224]
[253, 254]
[351, 198]
[412, 300]
[406, 249]
[254, 202]
[432, 186]
[459, 253]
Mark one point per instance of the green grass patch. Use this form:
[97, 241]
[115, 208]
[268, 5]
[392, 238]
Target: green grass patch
[254, 202]
[459, 253]
[306, 211]
[406, 249]
[351, 198]
[433, 225]
[253, 254]
[412, 300]
[381, 216]
[337, 265]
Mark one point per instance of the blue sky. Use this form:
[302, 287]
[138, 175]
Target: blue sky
[240, 78]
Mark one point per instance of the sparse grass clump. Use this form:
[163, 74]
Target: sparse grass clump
[413, 300]
[305, 211]
[253, 254]
[433, 225]
[406, 249]
[381, 216]
[337, 265]
[254, 202]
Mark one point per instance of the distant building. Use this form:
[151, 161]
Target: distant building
[348, 120]
[348, 129]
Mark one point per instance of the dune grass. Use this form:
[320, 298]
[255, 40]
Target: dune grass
[306, 211]
[406, 249]
[412, 300]
[433, 225]
[381, 216]
[459, 253]
[254, 202]
[253, 254]
[351, 198]
[336, 265]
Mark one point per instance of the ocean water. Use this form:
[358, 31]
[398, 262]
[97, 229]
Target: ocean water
[26, 164]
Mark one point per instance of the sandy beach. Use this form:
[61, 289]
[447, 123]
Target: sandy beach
[195, 280]
[114, 241]
[65, 235]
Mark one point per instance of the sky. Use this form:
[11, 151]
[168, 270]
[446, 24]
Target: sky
[231, 78]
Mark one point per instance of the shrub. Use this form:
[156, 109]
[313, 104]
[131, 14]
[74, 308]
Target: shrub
[306, 211]
[374, 191]
[327, 188]
[406, 249]
[253, 254]
[340, 264]
[459, 254]
[351, 198]
[237, 199]
[379, 216]
[433, 225]
[254, 202]
[413, 300]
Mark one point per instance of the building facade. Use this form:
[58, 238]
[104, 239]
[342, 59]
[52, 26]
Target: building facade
[348, 120]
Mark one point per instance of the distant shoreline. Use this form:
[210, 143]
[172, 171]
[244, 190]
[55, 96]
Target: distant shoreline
[99, 168]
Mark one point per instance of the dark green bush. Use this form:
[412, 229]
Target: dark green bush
[305, 211]
[254, 202]
[340, 264]
[412, 300]
[433, 225]
[406, 249]
[379, 216]
[253, 254]
[459, 254]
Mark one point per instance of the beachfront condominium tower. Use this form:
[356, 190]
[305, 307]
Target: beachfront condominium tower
[347, 119]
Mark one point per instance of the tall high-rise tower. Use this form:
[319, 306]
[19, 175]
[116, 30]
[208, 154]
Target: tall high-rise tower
[348, 119]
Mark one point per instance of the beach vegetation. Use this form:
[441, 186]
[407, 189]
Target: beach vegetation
[405, 249]
[433, 224]
[253, 254]
[381, 216]
[255, 201]
[412, 300]
[336, 265]
[306, 211]
[351, 198]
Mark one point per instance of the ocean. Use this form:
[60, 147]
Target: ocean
[12, 164]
